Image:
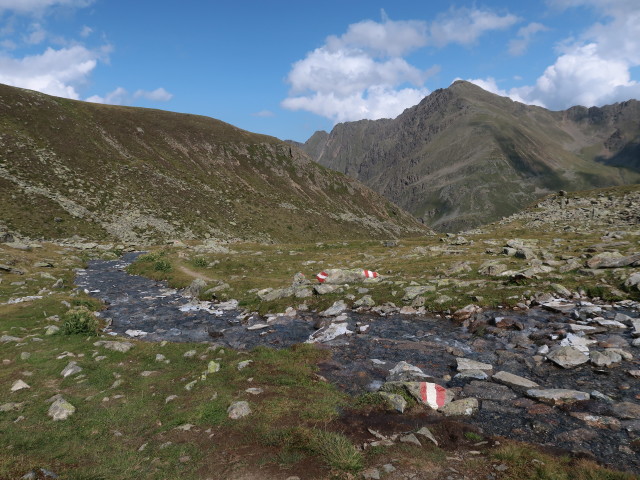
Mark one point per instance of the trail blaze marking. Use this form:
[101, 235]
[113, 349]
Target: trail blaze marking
[369, 274]
[432, 394]
[322, 276]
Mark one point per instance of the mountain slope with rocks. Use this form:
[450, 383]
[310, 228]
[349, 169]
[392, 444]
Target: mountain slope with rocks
[464, 157]
[132, 174]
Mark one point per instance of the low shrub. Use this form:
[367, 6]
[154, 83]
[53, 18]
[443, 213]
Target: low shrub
[79, 321]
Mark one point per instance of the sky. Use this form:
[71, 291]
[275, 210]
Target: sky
[288, 68]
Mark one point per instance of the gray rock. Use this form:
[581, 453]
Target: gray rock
[627, 410]
[633, 282]
[371, 474]
[468, 364]
[60, 409]
[489, 391]
[472, 374]
[605, 359]
[429, 394]
[71, 369]
[330, 332]
[411, 438]
[514, 381]
[410, 293]
[8, 407]
[9, 338]
[324, 289]
[238, 410]
[426, 433]
[123, 347]
[567, 357]
[464, 407]
[612, 260]
[365, 301]
[19, 385]
[195, 288]
[557, 396]
[395, 401]
[336, 309]
[405, 372]
[492, 268]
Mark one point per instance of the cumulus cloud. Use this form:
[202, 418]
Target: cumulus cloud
[519, 45]
[157, 95]
[466, 25]
[37, 6]
[56, 72]
[362, 73]
[120, 96]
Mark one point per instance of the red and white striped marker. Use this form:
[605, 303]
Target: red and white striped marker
[433, 394]
[322, 276]
[369, 274]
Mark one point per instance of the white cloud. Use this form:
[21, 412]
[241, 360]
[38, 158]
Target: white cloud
[519, 45]
[593, 69]
[157, 95]
[362, 73]
[466, 25]
[264, 113]
[86, 31]
[37, 6]
[117, 97]
[36, 34]
[120, 96]
[56, 72]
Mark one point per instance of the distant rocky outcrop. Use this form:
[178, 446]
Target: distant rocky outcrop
[70, 168]
[463, 157]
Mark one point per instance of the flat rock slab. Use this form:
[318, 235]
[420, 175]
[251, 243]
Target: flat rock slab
[557, 396]
[627, 410]
[465, 407]
[468, 364]
[489, 391]
[567, 357]
[514, 381]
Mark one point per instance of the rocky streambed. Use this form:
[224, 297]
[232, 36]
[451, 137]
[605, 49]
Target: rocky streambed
[563, 373]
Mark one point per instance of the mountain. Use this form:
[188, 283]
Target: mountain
[70, 168]
[464, 157]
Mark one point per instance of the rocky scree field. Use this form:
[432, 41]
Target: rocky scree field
[81, 403]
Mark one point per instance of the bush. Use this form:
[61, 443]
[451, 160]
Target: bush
[162, 266]
[200, 262]
[79, 321]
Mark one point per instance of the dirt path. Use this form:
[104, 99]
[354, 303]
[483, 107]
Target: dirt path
[196, 274]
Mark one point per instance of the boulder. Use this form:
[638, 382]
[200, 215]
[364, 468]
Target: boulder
[60, 409]
[612, 260]
[567, 357]
[238, 410]
[465, 407]
[557, 396]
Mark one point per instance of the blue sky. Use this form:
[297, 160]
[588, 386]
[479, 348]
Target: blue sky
[289, 68]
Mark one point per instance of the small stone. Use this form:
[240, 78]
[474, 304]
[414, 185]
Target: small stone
[238, 410]
[52, 330]
[61, 409]
[19, 385]
[411, 438]
[244, 364]
[371, 474]
[464, 407]
[170, 398]
[557, 396]
[123, 347]
[425, 432]
[468, 364]
[567, 357]
[254, 390]
[514, 381]
[72, 368]
[213, 367]
[189, 354]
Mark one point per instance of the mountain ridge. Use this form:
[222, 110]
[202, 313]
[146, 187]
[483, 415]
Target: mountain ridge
[463, 157]
[102, 171]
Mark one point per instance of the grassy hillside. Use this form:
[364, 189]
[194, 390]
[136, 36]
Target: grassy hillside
[130, 174]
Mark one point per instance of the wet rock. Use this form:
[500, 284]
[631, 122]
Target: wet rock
[613, 341]
[627, 410]
[500, 407]
[60, 409]
[468, 364]
[489, 391]
[578, 342]
[238, 410]
[472, 374]
[329, 333]
[466, 312]
[605, 359]
[196, 288]
[559, 306]
[517, 383]
[567, 357]
[557, 396]
[395, 401]
[405, 372]
[577, 436]
[598, 421]
[465, 407]
[336, 309]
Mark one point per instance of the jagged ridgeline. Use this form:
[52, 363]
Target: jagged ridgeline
[465, 157]
[132, 174]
